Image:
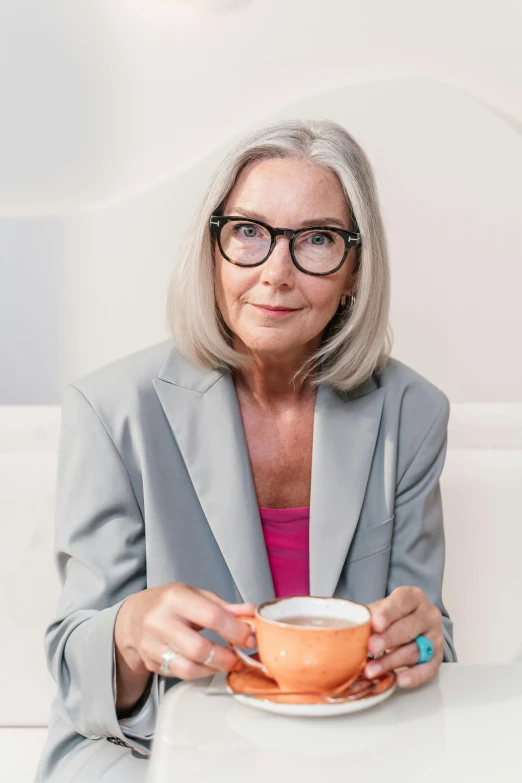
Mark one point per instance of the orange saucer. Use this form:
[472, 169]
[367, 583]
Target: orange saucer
[251, 682]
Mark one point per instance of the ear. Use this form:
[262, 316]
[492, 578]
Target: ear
[351, 285]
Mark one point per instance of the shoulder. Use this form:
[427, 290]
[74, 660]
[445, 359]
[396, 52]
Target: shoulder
[412, 395]
[123, 385]
[416, 414]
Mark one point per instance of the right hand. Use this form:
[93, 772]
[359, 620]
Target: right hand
[170, 617]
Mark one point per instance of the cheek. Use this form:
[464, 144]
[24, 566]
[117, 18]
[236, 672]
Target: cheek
[323, 299]
[232, 285]
[324, 294]
[224, 283]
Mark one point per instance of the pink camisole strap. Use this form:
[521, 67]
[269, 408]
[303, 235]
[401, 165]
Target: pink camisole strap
[286, 533]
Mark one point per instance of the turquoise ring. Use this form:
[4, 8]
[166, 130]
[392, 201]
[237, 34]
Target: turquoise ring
[425, 646]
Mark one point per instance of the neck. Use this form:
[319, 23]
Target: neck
[267, 379]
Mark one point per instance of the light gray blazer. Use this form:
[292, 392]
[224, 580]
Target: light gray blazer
[155, 486]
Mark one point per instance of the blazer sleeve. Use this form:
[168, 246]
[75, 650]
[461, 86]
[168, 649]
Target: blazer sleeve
[100, 556]
[418, 546]
[141, 724]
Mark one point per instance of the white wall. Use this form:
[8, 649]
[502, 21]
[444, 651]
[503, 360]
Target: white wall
[31, 323]
[116, 113]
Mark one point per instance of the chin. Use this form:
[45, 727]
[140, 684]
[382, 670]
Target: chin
[272, 347]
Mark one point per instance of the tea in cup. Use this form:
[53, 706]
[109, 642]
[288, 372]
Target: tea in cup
[310, 645]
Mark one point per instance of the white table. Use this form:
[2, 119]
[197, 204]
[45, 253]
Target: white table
[466, 725]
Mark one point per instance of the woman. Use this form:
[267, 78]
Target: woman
[271, 448]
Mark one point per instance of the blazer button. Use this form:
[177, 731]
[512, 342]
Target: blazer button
[118, 741]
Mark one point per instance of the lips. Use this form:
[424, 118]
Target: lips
[276, 309]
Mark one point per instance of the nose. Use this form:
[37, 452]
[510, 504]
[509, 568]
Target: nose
[279, 269]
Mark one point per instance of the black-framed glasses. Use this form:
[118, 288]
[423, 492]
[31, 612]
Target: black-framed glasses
[315, 250]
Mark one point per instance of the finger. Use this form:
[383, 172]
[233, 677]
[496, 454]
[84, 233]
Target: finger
[195, 607]
[407, 655]
[399, 633]
[242, 609]
[179, 666]
[422, 672]
[237, 609]
[402, 601]
[195, 647]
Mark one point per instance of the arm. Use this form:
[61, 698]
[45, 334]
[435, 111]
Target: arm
[418, 547]
[104, 647]
[100, 553]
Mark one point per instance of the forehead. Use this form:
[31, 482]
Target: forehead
[288, 188]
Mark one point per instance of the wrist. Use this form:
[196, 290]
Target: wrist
[127, 706]
[128, 658]
[132, 675]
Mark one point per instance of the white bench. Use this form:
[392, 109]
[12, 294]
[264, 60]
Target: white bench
[29, 585]
[482, 498]
[482, 494]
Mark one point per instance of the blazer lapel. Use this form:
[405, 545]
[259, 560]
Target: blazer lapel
[203, 412]
[345, 434]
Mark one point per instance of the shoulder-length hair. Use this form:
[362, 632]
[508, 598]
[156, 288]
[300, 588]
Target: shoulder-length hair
[357, 341]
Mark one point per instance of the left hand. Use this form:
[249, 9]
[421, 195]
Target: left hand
[396, 621]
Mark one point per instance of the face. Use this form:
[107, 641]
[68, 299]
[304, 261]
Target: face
[288, 194]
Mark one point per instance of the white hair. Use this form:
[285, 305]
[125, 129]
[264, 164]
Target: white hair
[357, 341]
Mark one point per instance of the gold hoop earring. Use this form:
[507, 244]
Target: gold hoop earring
[343, 300]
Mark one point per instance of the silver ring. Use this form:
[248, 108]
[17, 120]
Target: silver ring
[210, 657]
[166, 659]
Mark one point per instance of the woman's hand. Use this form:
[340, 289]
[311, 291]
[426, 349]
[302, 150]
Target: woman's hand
[397, 620]
[170, 617]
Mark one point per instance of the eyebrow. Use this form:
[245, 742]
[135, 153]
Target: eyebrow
[318, 221]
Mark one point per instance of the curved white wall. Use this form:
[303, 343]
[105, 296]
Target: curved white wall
[116, 113]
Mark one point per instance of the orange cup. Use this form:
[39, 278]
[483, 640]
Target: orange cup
[324, 655]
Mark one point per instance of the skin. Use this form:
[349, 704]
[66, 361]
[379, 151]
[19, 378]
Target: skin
[286, 193]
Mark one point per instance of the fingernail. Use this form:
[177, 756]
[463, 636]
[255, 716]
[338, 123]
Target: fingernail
[404, 679]
[373, 669]
[378, 646]
[251, 641]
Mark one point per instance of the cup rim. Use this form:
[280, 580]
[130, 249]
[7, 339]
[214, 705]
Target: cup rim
[282, 624]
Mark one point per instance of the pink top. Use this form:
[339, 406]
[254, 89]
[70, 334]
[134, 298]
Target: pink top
[286, 532]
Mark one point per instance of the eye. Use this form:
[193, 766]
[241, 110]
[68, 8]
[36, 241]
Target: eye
[249, 232]
[320, 238]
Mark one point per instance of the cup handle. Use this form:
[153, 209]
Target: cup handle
[246, 659]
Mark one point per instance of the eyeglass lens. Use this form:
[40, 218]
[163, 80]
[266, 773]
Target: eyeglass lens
[248, 243]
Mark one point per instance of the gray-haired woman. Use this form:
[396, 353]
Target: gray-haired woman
[271, 447]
